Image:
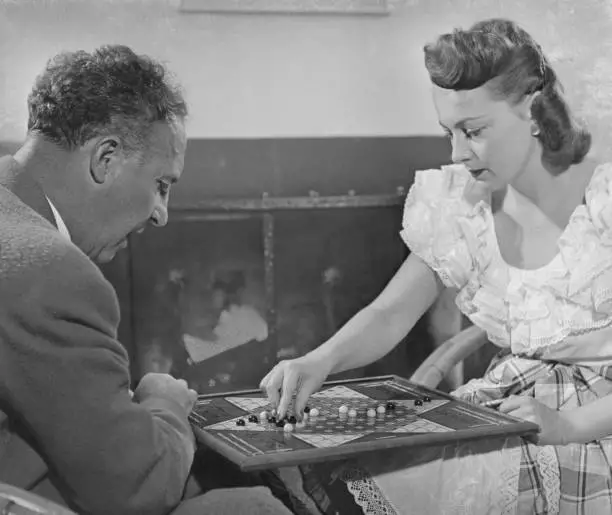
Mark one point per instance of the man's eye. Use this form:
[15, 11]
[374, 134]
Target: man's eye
[164, 187]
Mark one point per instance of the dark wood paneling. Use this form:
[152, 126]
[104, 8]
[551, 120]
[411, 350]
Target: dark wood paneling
[293, 167]
[217, 169]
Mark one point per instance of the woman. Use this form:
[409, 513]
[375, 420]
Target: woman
[519, 225]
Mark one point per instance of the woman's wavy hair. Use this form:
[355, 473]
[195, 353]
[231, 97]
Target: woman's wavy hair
[500, 54]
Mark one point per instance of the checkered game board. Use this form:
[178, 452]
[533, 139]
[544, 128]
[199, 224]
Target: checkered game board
[233, 425]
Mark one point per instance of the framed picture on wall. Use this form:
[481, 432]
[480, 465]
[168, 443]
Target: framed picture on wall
[346, 7]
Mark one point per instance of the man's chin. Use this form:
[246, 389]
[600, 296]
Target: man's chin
[107, 254]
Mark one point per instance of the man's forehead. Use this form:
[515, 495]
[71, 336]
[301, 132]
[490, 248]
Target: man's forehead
[168, 139]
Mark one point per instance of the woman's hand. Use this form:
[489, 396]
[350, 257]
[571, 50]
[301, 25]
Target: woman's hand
[553, 424]
[300, 377]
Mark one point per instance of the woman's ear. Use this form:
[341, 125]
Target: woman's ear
[525, 105]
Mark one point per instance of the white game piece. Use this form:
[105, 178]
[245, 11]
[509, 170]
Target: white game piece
[263, 416]
[381, 409]
[288, 428]
[352, 412]
[314, 412]
[371, 412]
[343, 409]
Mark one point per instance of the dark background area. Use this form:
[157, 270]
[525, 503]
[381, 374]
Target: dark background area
[188, 277]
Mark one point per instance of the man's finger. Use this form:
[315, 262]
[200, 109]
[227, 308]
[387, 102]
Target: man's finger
[183, 382]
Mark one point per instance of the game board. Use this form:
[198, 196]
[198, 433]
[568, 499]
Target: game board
[434, 419]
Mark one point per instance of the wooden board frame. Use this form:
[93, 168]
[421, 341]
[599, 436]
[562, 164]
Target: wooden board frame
[514, 427]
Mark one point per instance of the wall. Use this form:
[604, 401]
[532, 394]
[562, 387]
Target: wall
[294, 76]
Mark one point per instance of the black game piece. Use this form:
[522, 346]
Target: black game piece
[390, 406]
[240, 422]
[306, 409]
[253, 418]
[272, 420]
[418, 402]
[280, 423]
[292, 419]
[427, 398]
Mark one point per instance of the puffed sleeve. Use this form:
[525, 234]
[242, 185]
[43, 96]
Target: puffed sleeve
[431, 223]
[598, 199]
[587, 245]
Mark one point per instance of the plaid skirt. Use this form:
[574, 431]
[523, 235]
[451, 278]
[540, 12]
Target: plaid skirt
[509, 476]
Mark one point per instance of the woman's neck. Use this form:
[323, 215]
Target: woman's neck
[556, 196]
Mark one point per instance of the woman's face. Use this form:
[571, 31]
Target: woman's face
[492, 138]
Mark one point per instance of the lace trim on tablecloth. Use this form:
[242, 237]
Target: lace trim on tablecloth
[548, 464]
[365, 491]
[510, 483]
[494, 490]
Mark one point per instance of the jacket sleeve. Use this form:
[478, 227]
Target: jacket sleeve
[67, 381]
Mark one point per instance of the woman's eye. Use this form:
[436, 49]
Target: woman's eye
[472, 133]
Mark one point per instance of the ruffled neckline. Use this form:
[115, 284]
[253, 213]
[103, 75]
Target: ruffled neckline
[533, 308]
[453, 231]
[481, 208]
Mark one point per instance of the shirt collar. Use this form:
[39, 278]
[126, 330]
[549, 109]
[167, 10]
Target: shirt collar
[59, 221]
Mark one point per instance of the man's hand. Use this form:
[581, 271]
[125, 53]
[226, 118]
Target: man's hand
[165, 386]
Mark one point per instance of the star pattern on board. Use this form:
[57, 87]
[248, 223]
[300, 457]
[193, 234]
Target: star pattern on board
[329, 429]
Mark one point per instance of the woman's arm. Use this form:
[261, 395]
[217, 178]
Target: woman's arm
[375, 330]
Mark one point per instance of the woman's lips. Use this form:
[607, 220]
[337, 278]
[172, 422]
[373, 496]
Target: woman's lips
[477, 172]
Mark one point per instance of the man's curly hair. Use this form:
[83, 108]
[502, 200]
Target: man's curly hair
[110, 91]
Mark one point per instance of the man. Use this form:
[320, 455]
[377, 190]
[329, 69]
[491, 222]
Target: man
[105, 143]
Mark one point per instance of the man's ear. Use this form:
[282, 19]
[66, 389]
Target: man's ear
[104, 159]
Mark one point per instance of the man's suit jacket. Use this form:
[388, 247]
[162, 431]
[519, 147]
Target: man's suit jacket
[64, 377]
